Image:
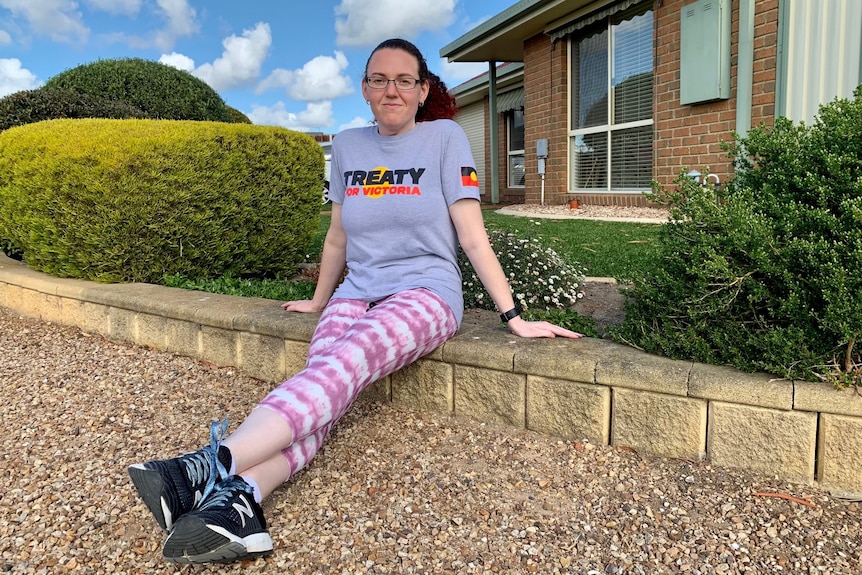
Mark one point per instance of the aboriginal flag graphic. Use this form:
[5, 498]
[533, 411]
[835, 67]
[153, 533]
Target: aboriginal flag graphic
[469, 177]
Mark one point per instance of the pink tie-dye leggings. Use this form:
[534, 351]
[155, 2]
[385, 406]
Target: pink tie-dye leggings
[353, 346]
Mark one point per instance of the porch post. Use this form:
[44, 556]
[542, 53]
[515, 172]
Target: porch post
[492, 125]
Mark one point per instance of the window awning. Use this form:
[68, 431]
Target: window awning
[591, 18]
[511, 100]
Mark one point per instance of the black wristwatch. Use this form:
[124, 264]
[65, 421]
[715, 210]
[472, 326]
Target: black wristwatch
[512, 313]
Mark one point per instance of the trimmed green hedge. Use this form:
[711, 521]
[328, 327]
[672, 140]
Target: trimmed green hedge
[134, 200]
[31, 106]
[160, 90]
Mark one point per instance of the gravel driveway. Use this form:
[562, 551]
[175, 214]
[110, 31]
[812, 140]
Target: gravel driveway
[392, 491]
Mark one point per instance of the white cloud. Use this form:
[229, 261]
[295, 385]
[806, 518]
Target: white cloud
[241, 60]
[278, 78]
[317, 116]
[357, 122]
[181, 22]
[456, 72]
[14, 78]
[239, 64]
[5, 38]
[321, 78]
[178, 61]
[364, 23]
[59, 20]
[122, 7]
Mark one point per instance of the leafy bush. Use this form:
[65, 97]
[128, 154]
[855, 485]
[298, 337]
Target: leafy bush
[237, 117]
[277, 289]
[33, 106]
[767, 274]
[134, 200]
[161, 91]
[566, 318]
[540, 279]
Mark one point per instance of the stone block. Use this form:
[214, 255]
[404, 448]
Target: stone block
[262, 356]
[769, 441]
[424, 385]
[121, 325]
[219, 346]
[574, 360]
[491, 396]
[823, 397]
[839, 456]
[568, 409]
[729, 385]
[378, 392]
[12, 297]
[151, 330]
[89, 317]
[295, 356]
[633, 369]
[492, 349]
[50, 308]
[24, 301]
[183, 338]
[659, 424]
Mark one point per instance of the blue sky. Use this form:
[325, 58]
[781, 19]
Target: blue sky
[295, 64]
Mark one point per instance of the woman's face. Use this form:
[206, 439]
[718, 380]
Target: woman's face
[395, 110]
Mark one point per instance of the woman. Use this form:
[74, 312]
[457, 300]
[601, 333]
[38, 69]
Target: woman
[404, 196]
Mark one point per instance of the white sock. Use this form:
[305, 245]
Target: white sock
[258, 496]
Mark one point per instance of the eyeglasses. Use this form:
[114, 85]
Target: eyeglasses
[381, 83]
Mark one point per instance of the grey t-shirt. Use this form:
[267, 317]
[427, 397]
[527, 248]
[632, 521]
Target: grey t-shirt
[395, 193]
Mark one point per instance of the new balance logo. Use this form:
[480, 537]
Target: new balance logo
[243, 509]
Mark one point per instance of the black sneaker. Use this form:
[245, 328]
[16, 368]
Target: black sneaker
[227, 526]
[173, 487]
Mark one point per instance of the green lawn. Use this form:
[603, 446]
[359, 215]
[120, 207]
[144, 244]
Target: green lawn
[605, 249]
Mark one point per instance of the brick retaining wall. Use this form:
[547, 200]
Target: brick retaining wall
[588, 388]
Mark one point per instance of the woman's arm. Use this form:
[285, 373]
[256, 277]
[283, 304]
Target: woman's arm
[466, 214]
[332, 262]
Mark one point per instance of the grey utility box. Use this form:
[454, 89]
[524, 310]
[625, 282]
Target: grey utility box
[704, 73]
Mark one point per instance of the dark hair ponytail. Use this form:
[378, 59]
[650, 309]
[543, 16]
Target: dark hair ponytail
[439, 104]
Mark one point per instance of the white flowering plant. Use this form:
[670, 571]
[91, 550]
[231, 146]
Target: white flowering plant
[541, 280]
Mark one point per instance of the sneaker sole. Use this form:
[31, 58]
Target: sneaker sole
[149, 485]
[198, 542]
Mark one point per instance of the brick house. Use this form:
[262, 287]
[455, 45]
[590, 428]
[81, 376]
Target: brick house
[618, 93]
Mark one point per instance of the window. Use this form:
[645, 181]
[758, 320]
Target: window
[611, 130]
[515, 147]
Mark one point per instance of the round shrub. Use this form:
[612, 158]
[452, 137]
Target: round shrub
[767, 274]
[540, 279]
[161, 91]
[32, 106]
[237, 117]
[134, 200]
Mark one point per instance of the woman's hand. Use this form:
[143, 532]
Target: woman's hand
[523, 328]
[301, 306]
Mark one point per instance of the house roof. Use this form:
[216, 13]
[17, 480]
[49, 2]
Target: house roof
[501, 38]
[509, 75]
